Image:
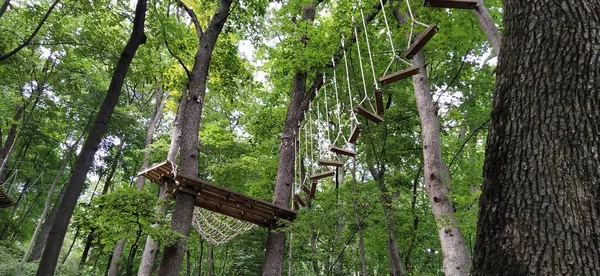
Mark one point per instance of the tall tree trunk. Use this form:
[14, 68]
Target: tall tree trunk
[115, 259]
[339, 227]
[86, 156]
[358, 221]
[540, 205]
[63, 168]
[211, 260]
[159, 105]
[489, 26]
[389, 213]
[9, 143]
[184, 203]
[151, 247]
[455, 255]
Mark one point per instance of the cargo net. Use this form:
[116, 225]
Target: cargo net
[218, 229]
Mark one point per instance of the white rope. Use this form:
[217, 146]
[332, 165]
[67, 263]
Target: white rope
[412, 23]
[216, 228]
[362, 71]
[326, 109]
[337, 100]
[312, 148]
[395, 55]
[352, 115]
[362, 15]
[319, 131]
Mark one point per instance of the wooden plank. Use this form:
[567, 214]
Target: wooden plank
[321, 175]
[451, 4]
[5, 201]
[298, 199]
[313, 189]
[228, 211]
[306, 189]
[368, 115]
[355, 133]
[379, 101]
[421, 41]
[331, 163]
[338, 150]
[396, 76]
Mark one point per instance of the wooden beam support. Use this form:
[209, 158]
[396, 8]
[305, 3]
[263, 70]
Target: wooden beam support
[421, 41]
[306, 189]
[451, 4]
[298, 199]
[313, 189]
[368, 115]
[331, 163]
[341, 151]
[394, 77]
[355, 133]
[321, 175]
[379, 101]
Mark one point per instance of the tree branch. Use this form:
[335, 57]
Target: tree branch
[37, 29]
[194, 18]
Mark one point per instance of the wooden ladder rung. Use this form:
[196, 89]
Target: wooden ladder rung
[368, 115]
[338, 150]
[321, 175]
[355, 133]
[298, 199]
[451, 4]
[394, 77]
[306, 189]
[331, 163]
[379, 101]
[313, 189]
[420, 42]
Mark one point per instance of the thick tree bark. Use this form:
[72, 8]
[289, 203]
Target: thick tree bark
[489, 26]
[455, 255]
[115, 259]
[184, 203]
[86, 156]
[540, 205]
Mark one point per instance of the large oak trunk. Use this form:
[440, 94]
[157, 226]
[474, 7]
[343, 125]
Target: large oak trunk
[540, 207]
[181, 221]
[90, 146]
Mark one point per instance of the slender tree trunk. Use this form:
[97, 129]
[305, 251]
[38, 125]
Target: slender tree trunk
[115, 259]
[339, 227]
[63, 168]
[184, 203]
[151, 247]
[159, 105]
[357, 219]
[389, 213]
[489, 27]
[9, 143]
[539, 210]
[200, 257]
[211, 261]
[86, 156]
[455, 255]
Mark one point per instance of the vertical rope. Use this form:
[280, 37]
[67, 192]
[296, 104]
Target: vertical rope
[352, 115]
[326, 107]
[362, 71]
[362, 15]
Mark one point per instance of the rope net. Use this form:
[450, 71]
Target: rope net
[218, 229]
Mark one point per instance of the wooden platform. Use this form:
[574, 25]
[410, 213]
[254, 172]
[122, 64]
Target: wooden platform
[218, 199]
[355, 133]
[331, 163]
[321, 175]
[338, 150]
[368, 115]
[379, 101]
[451, 4]
[5, 201]
[396, 76]
[421, 41]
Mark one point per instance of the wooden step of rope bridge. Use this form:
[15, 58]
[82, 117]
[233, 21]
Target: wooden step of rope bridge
[396, 76]
[332, 163]
[420, 42]
[342, 151]
[218, 199]
[355, 133]
[451, 4]
[5, 201]
[368, 115]
[322, 175]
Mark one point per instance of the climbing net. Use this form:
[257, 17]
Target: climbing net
[218, 229]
